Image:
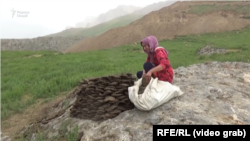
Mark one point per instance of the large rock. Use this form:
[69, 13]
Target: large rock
[5, 138]
[214, 93]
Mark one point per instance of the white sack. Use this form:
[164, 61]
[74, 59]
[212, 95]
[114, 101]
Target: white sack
[155, 94]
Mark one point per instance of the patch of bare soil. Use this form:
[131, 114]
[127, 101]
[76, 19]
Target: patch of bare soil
[167, 23]
[208, 50]
[35, 55]
[233, 50]
[213, 22]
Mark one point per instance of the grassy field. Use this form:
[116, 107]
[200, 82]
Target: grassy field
[201, 9]
[98, 29]
[26, 77]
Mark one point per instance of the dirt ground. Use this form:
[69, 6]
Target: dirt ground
[167, 23]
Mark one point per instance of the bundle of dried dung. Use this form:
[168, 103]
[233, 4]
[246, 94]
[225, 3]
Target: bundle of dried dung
[103, 98]
[144, 84]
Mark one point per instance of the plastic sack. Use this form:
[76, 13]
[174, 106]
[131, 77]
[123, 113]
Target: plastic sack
[155, 94]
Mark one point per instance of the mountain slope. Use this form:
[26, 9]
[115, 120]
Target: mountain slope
[105, 26]
[98, 29]
[119, 11]
[169, 22]
[153, 7]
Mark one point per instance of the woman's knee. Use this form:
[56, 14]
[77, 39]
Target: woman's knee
[147, 66]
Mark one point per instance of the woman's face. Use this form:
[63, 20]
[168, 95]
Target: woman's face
[146, 48]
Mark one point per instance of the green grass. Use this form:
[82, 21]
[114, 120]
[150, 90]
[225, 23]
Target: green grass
[100, 28]
[201, 9]
[50, 75]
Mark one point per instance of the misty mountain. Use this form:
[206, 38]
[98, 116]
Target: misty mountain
[119, 11]
[87, 22]
[153, 7]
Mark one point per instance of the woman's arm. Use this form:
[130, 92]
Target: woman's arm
[162, 59]
[150, 72]
[156, 69]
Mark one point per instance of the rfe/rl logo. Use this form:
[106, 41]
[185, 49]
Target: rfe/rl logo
[13, 12]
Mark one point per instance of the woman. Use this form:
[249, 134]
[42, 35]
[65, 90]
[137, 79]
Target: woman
[157, 63]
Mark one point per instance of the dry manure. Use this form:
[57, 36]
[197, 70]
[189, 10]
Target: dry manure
[102, 98]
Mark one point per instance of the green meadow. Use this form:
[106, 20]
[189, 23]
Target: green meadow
[25, 78]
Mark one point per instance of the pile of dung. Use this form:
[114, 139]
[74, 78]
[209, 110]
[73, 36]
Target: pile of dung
[102, 98]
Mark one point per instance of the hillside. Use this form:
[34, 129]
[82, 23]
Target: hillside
[119, 11]
[181, 18]
[113, 23]
[153, 7]
[98, 29]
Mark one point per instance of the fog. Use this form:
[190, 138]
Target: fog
[31, 19]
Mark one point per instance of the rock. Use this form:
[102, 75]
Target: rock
[53, 134]
[80, 135]
[208, 50]
[33, 137]
[215, 99]
[5, 138]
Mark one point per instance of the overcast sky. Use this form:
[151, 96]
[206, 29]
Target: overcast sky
[43, 17]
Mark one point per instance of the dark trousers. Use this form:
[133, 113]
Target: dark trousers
[147, 66]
